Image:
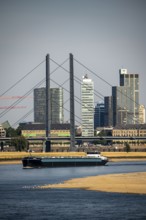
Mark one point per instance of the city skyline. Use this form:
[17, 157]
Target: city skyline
[103, 35]
[41, 97]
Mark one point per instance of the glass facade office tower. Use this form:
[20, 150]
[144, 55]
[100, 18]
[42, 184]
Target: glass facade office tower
[108, 116]
[57, 113]
[39, 105]
[87, 95]
[126, 99]
[99, 112]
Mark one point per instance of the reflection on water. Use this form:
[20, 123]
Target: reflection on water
[19, 199]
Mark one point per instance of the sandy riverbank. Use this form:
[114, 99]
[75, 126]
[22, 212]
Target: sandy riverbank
[110, 160]
[16, 157]
[125, 183]
[121, 183]
[110, 155]
[10, 162]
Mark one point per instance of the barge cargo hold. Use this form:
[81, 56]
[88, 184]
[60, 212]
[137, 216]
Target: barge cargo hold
[90, 160]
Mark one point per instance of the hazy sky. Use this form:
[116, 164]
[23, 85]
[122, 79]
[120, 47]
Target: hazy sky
[104, 35]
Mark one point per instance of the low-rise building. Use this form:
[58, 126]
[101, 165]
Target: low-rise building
[131, 131]
[38, 130]
[2, 131]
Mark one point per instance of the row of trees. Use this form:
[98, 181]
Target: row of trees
[17, 140]
[21, 144]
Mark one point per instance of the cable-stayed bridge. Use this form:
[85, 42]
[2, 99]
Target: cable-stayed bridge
[77, 80]
[72, 98]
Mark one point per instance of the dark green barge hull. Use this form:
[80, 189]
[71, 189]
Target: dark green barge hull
[38, 162]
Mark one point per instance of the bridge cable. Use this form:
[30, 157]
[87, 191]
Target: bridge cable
[11, 87]
[37, 85]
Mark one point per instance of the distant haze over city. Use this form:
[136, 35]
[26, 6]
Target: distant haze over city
[103, 35]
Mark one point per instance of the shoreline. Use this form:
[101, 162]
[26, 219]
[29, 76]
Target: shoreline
[134, 183]
[16, 158]
[19, 161]
[6, 162]
[119, 183]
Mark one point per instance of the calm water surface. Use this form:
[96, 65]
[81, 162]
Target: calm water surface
[20, 200]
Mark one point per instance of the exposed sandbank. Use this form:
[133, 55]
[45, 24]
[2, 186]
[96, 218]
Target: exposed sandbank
[2, 162]
[5, 156]
[16, 157]
[120, 183]
[126, 183]
[10, 162]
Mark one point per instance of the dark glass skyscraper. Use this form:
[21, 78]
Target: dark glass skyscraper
[99, 111]
[126, 99]
[39, 105]
[57, 116]
[108, 116]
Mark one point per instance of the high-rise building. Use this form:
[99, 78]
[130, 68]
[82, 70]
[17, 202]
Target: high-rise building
[141, 114]
[99, 112]
[40, 105]
[87, 95]
[108, 115]
[57, 113]
[126, 99]
[56, 96]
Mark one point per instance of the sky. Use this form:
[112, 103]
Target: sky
[103, 35]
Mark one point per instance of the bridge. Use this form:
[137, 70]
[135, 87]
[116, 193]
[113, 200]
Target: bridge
[72, 97]
[79, 138]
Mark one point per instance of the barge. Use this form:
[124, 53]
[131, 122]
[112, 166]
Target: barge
[91, 159]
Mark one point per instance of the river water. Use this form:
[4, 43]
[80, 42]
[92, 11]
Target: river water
[20, 200]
